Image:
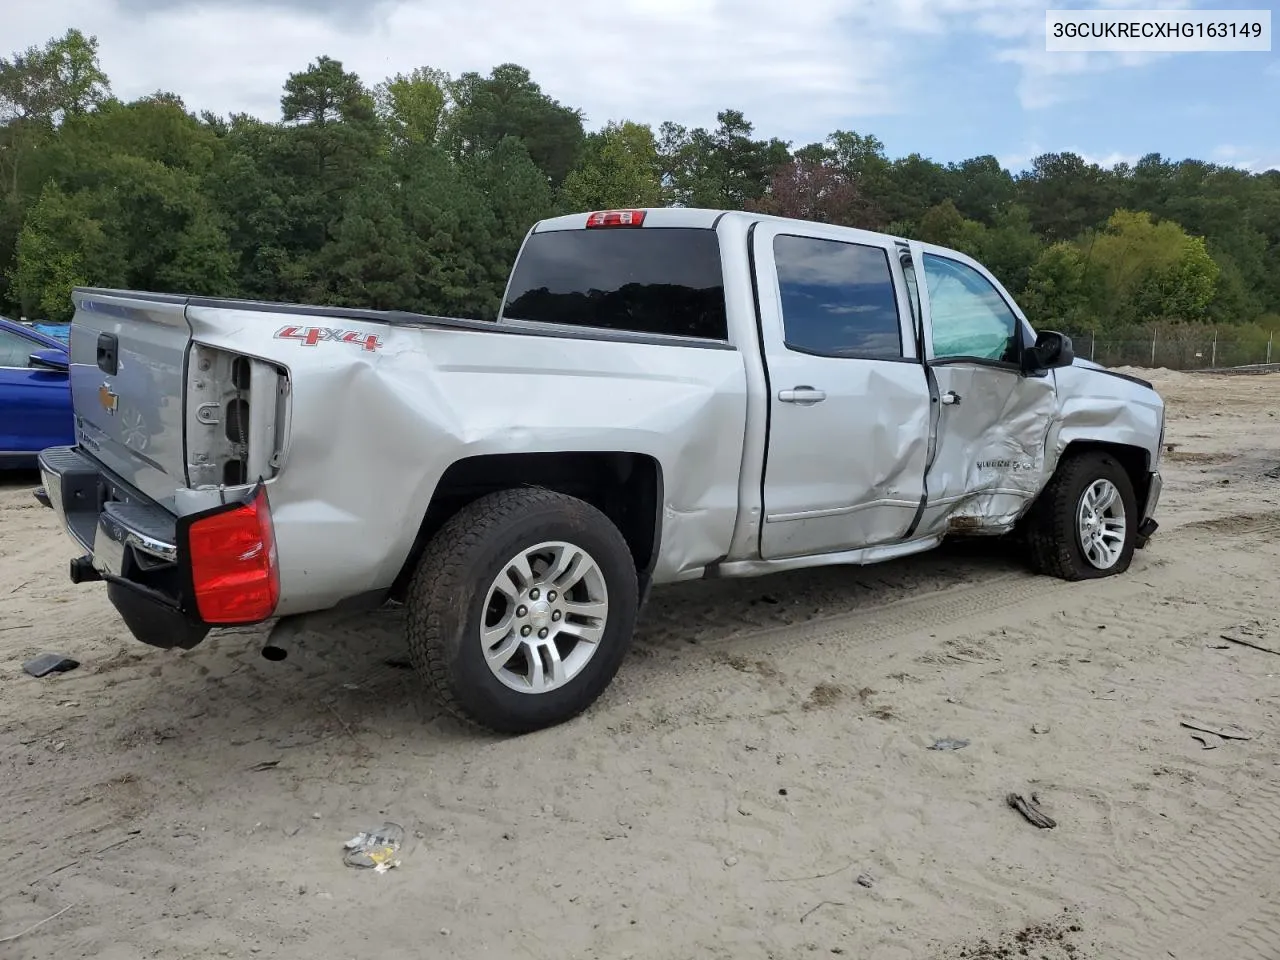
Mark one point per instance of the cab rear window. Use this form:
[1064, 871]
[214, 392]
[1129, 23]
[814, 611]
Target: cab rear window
[654, 280]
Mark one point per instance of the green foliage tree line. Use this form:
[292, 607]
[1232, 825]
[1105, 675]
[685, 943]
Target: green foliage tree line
[414, 194]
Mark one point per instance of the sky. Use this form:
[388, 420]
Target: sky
[949, 79]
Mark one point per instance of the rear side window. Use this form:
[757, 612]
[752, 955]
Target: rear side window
[837, 298]
[658, 280]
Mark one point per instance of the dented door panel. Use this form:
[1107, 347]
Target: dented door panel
[993, 421]
[847, 472]
[990, 462]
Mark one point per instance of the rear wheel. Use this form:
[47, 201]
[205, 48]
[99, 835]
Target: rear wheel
[1084, 524]
[522, 609]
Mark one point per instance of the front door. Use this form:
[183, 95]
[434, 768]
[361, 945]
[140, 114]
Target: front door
[849, 410]
[993, 420]
[35, 403]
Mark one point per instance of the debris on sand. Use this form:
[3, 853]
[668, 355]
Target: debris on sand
[35, 926]
[1227, 731]
[1249, 643]
[824, 903]
[824, 695]
[1030, 810]
[949, 743]
[375, 848]
[1055, 939]
[48, 663]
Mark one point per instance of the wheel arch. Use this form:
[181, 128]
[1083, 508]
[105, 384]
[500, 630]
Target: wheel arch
[1050, 529]
[1135, 460]
[626, 487]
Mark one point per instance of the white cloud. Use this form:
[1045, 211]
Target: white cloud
[1017, 162]
[1227, 155]
[787, 64]
[1111, 159]
[1016, 29]
[1050, 78]
[1254, 161]
[797, 68]
[1021, 161]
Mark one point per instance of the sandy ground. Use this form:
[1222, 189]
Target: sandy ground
[763, 749]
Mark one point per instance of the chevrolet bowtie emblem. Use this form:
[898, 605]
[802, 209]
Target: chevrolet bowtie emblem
[108, 399]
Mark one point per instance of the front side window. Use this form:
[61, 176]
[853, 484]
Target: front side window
[970, 318]
[837, 298]
[15, 350]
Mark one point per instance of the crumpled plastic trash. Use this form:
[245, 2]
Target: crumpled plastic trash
[375, 848]
[949, 743]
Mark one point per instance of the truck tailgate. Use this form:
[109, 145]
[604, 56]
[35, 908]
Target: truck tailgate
[128, 371]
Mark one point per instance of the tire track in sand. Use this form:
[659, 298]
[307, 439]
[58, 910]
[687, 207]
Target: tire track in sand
[1214, 893]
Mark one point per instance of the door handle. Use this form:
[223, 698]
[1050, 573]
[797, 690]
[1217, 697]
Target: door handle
[951, 398]
[805, 396]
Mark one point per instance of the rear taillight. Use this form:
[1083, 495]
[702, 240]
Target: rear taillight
[233, 563]
[616, 218]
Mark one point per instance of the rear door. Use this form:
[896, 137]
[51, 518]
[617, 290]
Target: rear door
[849, 407]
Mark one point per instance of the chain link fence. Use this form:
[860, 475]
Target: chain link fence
[1199, 353]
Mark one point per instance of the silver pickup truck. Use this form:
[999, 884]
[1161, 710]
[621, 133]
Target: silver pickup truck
[667, 394]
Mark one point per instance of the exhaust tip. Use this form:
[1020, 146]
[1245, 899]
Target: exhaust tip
[273, 653]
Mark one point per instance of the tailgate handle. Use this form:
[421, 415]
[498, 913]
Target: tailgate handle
[108, 353]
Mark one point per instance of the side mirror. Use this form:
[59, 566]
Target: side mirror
[1052, 349]
[49, 360]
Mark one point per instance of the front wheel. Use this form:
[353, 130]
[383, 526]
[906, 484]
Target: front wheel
[522, 609]
[1084, 524]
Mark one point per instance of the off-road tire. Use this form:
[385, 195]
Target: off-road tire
[446, 598]
[1052, 542]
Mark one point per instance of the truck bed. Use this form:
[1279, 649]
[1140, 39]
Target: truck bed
[352, 441]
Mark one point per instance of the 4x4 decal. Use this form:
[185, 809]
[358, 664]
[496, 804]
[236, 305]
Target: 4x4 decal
[310, 336]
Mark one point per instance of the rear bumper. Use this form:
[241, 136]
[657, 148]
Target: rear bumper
[127, 541]
[1147, 527]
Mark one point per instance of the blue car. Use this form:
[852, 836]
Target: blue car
[35, 395]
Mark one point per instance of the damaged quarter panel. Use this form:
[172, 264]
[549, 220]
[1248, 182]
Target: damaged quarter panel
[372, 432]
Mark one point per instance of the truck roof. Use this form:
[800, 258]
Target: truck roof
[695, 217]
[653, 216]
